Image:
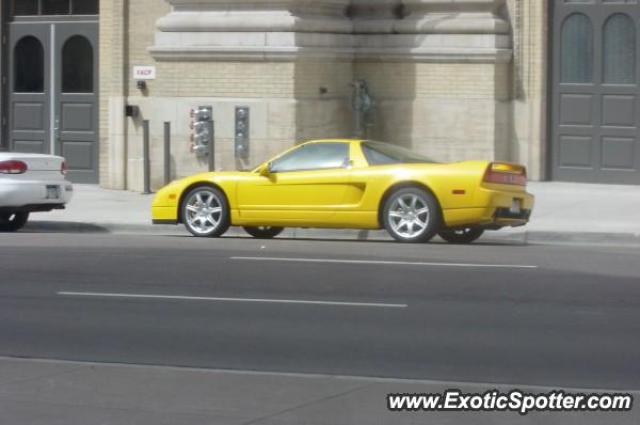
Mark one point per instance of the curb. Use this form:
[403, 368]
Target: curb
[513, 237]
[600, 238]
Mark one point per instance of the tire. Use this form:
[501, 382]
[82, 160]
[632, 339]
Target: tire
[263, 232]
[411, 215]
[205, 212]
[12, 222]
[461, 236]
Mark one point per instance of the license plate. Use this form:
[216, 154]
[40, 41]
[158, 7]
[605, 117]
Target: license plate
[53, 192]
[516, 206]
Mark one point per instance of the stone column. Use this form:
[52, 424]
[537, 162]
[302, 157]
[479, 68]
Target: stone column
[113, 94]
[530, 20]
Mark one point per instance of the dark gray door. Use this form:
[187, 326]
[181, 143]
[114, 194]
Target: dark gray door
[29, 86]
[53, 101]
[76, 100]
[595, 92]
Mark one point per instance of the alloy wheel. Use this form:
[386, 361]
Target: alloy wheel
[203, 212]
[409, 215]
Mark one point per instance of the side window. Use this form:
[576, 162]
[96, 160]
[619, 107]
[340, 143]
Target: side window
[376, 157]
[315, 156]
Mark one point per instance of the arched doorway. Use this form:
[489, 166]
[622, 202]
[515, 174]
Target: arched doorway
[595, 118]
[53, 82]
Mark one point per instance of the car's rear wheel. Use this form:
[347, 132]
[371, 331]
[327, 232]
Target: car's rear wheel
[12, 222]
[205, 212]
[264, 232]
[461, 236]
[411, 215]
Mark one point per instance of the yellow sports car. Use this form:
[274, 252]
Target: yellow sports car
[356, 184]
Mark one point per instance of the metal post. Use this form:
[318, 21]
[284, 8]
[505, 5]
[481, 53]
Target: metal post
[146, 157]
[212, 145]
[167, 152]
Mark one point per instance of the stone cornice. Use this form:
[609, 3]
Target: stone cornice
[414, 30]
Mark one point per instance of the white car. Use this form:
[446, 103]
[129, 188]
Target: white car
[30, 183]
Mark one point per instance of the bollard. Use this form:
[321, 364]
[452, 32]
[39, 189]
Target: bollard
[146, 157]
[167, 153]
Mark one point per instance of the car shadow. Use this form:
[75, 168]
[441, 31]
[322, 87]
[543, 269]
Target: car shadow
[62, 227]
[435, 241]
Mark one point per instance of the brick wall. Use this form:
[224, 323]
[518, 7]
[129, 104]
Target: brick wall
[450, 110]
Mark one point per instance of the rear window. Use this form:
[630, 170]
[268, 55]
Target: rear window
[379, 153]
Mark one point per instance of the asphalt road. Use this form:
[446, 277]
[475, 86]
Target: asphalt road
[554, 316]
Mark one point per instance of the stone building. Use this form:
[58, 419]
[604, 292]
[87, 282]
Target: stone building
[552, 84]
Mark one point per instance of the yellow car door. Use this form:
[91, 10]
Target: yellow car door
[304, 186]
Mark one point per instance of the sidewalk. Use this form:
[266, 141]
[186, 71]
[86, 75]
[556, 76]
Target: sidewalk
[41, 392]
[565, 212]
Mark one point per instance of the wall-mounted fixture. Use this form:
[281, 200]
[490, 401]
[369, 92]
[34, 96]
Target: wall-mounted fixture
[242, 132]
[201, 130]
[131, 111]
[142, 74]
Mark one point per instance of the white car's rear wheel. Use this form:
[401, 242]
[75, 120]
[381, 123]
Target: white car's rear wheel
[205, 212]
[11, 222]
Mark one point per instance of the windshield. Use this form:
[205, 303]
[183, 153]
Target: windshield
[379, 153]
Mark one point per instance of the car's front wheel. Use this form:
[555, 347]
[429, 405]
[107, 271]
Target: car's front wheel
[205, 212]
[264, 232]
[461, 236]
[12, 222]
[411, 215]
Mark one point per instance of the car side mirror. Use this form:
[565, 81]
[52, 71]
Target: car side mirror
[266, 170]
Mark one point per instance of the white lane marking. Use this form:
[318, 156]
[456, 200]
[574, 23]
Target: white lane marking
[234, 300]
[391, 263]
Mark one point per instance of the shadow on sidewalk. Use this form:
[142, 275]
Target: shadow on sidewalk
[62, 227]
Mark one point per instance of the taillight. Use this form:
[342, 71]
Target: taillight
[503, 173]
[13, 167]
[63, 168]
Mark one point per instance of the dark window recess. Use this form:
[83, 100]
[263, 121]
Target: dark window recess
[29, 66]
[56, 7]
[85, 7]
[619, 50]
[24, 7]
[77, 65]
[577, 50]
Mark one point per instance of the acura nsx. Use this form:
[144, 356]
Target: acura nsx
[355, 184]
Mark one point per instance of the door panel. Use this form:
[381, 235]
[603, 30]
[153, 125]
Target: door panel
[76, 118]
[305, 186]
[305, 196]
[29, 82]
[596, 99]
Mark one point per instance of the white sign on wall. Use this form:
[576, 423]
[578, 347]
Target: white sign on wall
[144, 72]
